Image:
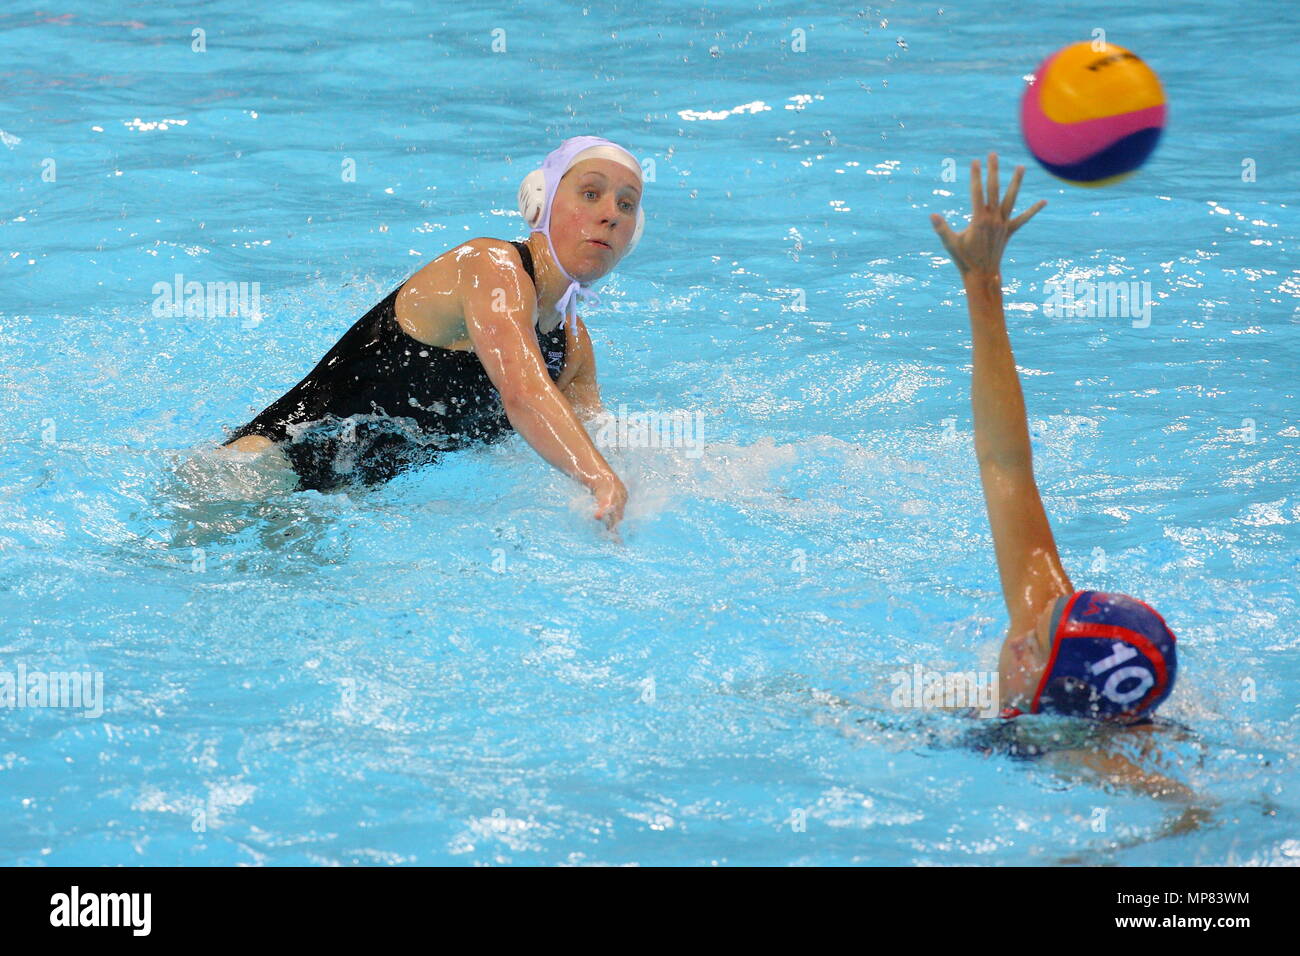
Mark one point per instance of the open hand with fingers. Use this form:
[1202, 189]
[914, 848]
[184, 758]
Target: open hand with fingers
[978, 248]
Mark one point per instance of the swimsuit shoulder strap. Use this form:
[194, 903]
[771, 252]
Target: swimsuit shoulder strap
[554, 338]
[525, 256]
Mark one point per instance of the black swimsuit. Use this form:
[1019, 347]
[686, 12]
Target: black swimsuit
[380, 402]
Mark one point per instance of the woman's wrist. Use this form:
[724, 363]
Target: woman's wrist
[983, 279]
[604, 479]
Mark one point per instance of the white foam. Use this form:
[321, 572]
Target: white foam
[226, 474]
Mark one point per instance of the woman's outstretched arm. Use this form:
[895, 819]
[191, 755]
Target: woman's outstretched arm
[500, 320]
[1028, 563]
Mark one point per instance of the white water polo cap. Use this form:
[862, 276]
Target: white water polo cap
[537, 194]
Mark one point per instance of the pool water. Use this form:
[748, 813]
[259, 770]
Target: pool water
[461, 667]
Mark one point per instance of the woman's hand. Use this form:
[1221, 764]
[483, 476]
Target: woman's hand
[978, 248]
[611, 499]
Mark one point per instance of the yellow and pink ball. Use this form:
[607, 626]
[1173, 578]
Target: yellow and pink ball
[1093, 113]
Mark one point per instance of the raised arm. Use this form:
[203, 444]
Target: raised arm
[500, 319]
[1028, 563]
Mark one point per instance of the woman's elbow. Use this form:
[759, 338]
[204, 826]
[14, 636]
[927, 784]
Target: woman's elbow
[525, 397]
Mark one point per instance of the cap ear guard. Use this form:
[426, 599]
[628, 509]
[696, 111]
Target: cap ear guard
[532, 203]
[532, 197]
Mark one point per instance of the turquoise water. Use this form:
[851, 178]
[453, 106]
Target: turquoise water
[459, 667]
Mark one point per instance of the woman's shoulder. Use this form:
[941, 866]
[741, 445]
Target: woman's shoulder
[468, 263]
[501, 252]
[480, 253]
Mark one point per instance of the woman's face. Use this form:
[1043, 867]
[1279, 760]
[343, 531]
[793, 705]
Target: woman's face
[593, 217]
[1022, 661]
